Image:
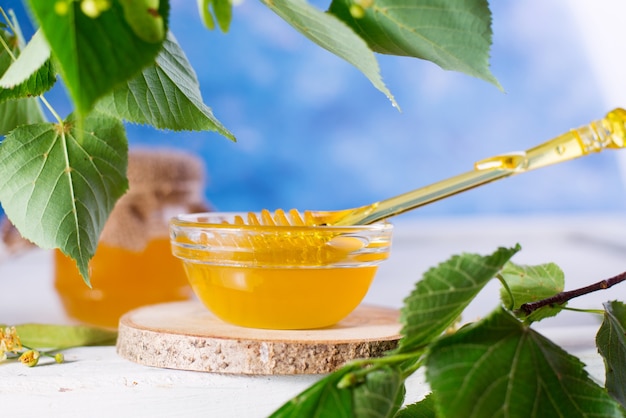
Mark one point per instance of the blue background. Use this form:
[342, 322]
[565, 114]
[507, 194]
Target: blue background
[314, 134]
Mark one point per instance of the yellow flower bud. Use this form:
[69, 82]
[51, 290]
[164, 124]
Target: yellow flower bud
[93, 8]
[30, 358]
[9, 341]
[61, 7]
[59, 358]
[357, 11]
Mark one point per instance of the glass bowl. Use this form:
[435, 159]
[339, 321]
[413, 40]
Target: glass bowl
[278, 277]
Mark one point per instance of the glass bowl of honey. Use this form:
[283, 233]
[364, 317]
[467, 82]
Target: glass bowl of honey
[278, 276]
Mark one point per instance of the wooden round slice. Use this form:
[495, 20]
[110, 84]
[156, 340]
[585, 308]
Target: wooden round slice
[186, 336]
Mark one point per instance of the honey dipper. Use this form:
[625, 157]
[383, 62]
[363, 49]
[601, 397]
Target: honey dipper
[606, 133]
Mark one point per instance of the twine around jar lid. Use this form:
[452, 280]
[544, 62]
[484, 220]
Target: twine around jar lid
[162, 183]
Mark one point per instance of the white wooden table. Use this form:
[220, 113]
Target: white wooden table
[96, 382]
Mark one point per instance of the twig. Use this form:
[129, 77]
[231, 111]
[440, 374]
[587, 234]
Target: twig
[561, 298]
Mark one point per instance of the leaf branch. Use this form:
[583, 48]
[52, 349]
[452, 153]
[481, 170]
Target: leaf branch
[413, 360]
[51, 109]
[562, 297]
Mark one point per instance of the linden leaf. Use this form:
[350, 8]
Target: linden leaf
[530, 284]
[94, 54]
[18, 112]
[31, 74]
[611, 342]
[332, 34]
[165, 95]
[15, 112]
[456, 35]
[321, 399]
[422, 409]
[380, 395]
[444, 292]
[58, 183]
[498, 367]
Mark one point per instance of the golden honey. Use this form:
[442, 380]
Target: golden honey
[287, 298]
[278, 277]
[121, 280]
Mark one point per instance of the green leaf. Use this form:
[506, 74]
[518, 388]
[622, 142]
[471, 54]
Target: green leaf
[58, 183]
[165, 95]
[332, 34]
[18, 112]
[422, 409]
[322, 399]
[375, 393]
[611, 342]
[499, 367]
[444, 292]
[222, 9]
[456, 35]
[64, 336]
[380, 395]
[94, 54]
[15, 112]
[31, 74]
[530, 284]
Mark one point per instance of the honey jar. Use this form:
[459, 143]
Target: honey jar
[133, 264]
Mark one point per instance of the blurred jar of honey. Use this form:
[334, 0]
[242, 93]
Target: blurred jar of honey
[133, 264]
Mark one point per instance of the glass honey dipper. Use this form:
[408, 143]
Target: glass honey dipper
[606, 133]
